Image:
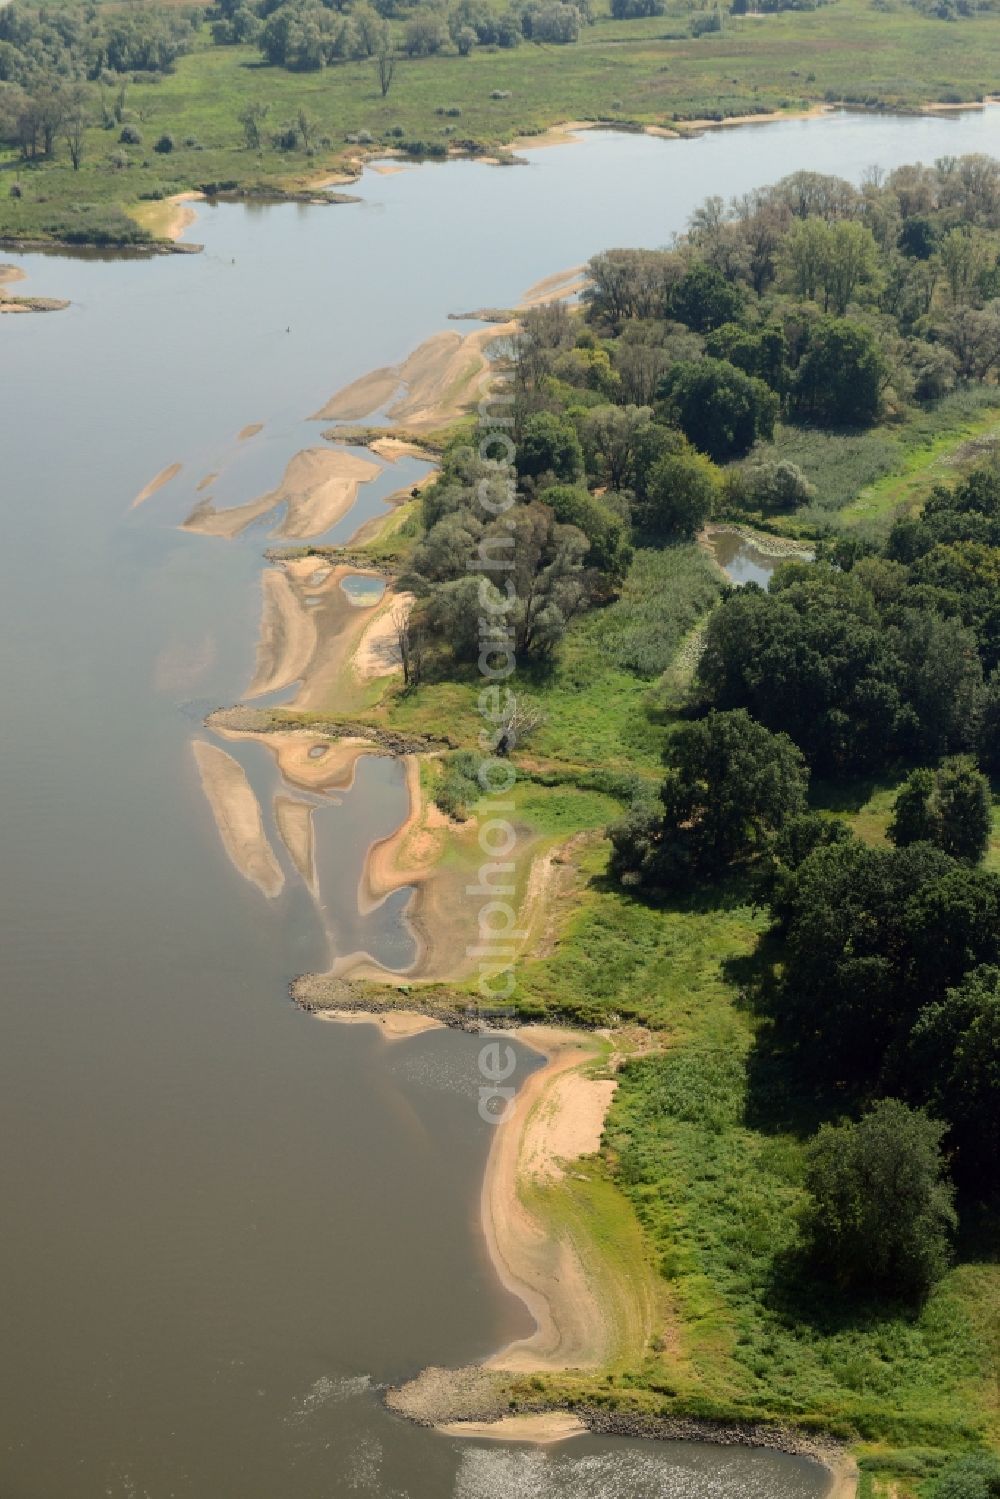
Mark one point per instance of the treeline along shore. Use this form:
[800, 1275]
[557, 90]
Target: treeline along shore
[753, 1191]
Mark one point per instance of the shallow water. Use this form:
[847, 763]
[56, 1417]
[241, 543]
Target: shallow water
[225, 1223]
[363, 591]
[744, 562]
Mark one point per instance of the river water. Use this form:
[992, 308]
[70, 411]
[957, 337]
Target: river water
[226, 1224]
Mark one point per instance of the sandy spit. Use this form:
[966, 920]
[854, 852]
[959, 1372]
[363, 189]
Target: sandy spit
[319, 487]
[10, 273]
[287, 635]
[394, 1025]
[295, 824]
[163, 477]
[361, 397]
[541, 1430]
[308, 760]
[555, 288]
[237, 817]
[436, 382]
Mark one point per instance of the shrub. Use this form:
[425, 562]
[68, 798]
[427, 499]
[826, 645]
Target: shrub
[130, 136]
[164, 145]
[883, 1213]
[770, 487]
[976, 1476]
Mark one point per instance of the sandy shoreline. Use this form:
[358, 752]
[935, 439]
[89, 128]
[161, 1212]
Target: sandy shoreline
[169, 217]
[557, 1117]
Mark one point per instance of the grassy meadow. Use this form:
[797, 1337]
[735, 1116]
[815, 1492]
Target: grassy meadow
[641, 72]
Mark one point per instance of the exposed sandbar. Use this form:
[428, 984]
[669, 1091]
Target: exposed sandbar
[555, 288]
[287, 635]
[436, 382]
[395, 1025]
[294, 818]
[309, 761]
[249, 431]
[163, 477]
[169, 217]
[370, 393]
[319, 486]
[542, 1430]
[237, 817]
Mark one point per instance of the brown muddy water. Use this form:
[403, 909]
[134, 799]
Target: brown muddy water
[744, 562]
[225, 1225]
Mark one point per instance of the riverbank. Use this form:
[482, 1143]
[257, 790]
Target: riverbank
[671, 83]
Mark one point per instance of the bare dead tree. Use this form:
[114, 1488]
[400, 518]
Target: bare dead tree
[409, 644]
[517, 722]
[385, 65]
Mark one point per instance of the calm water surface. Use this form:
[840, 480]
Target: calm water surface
[226, 1224]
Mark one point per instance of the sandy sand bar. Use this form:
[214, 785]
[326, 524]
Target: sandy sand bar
[542, 1429]
[394, 1025]
[237, 817]
[163, 477]
[319, 487]
[287, 635]
[294, 818]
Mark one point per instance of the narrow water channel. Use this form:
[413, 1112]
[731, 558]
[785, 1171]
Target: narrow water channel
[225, 1224]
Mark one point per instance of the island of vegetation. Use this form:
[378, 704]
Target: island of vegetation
[110, 114]
[752, 1195]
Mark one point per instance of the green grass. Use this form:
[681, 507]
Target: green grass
[595, 701]
[748, 1334]
[624, 72]
[937, 444]
[865, 478]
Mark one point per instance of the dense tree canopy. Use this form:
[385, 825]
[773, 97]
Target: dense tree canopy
[882, 1215]
[730, 786]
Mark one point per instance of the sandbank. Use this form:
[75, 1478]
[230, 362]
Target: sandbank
[555, 288]
[249, 431]
[434, 382]
[394, 1025]
[169, 217]
[163, 477]
[542, 1429]
[294, 818]
[583, 1319]
[287, 635]
[309, 761]
[319, 486]
[237, 817]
